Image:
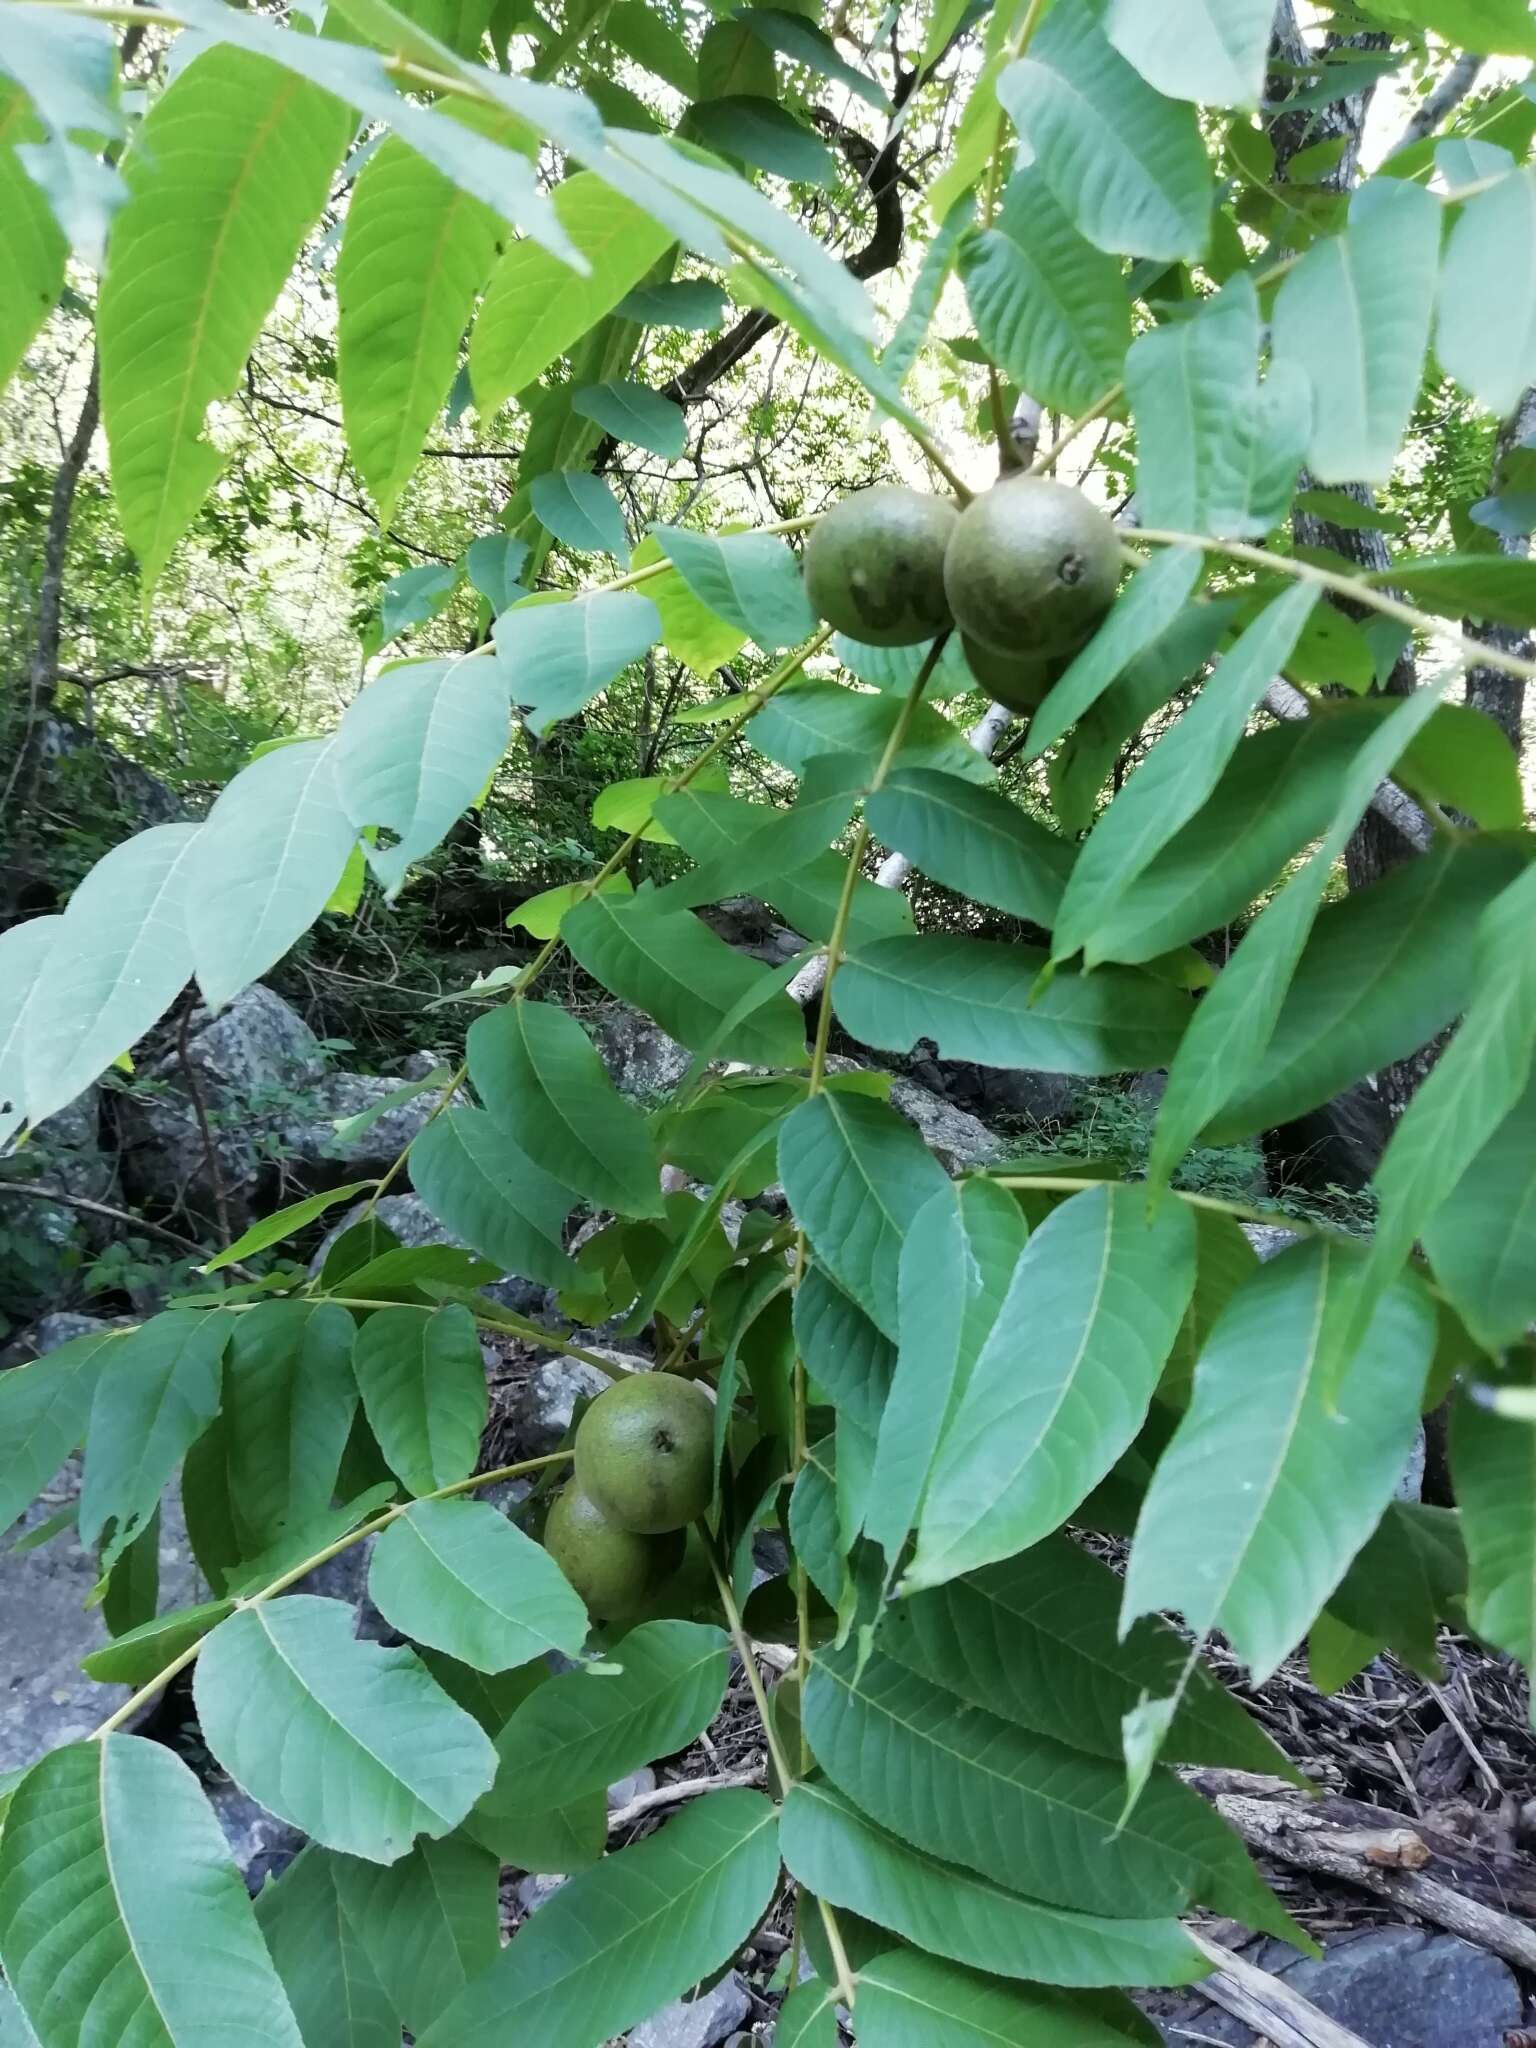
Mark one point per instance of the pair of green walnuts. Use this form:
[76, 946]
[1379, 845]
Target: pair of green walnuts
[1026, 571]
[644, 1471]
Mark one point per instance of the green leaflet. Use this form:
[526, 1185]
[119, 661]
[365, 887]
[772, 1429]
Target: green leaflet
[1292, 1475]
[416, 251]
[915, 2001]
[676, 970]
[972, 998]
[44, 1409]
[24, 951]
[287, 1408]
[619, 1941]
[484, 1190]
[1062, 1383]
[1493, 1458]
[635, 413]
[845, 1858]
[355, 1744]
[1486, 336]
[539, 1077]
[136, 1656]
[415, 749]
[332, 1986]
[113, 1871]
[824, 718]
[460, 1576]
[581, 511]
[1127, 165]
[1364, 371]
[1499, 588]
[1035, 1640]
[956, 1265]
[974, 840]
[117, 959]
[751, 579]
[158, 1392]
[227, 176]
[856, 1175]
[1481, 1240]
[848, 1358]
[1049, 308]
[1410, 1575]
[33, 247]
[423, 1385]
[1022, 1810]
[535, 309]
[426, 1924]
[1210, 51]
[1360, 997]
[1177, 777]
[1217, 452]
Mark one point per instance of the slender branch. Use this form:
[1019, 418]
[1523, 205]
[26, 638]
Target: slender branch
[1472, 651]
[33, 1192]
[1445, 99]
[193, 1651]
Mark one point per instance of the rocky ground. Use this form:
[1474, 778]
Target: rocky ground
[1428, 1813]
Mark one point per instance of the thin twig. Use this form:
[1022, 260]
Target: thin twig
[671, 1795]
[34, 1192]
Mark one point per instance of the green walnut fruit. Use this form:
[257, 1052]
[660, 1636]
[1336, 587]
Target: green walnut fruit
[1018, 680]
[1031, 568]
[616, 1572]
[645, 1452]
[874, 566]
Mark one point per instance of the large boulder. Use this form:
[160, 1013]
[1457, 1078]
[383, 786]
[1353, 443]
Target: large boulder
[958, 1140]
[323, 1157]
[641, 1059]
[42, 1243]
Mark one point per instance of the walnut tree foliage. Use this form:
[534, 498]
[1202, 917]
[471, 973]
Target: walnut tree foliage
[1145, 209]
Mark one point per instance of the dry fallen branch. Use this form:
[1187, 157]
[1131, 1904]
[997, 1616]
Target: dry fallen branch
[673, 1795]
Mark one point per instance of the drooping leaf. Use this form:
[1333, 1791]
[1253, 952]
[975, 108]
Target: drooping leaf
[476, 1182]
[1049, 307]
[117, 960]
[33, 247]
[824, 718]
[227, 176]
[972, 998]
[268, 857]
[619, 1941]
[1492, 1458]
[696, 304]
[1127, 165]
[137, 1656]
[113, 1872]
[844, 1857]
[908, 2000]
[1034, 1639]
[1482, 1239]
[414, 596]
[580, 510]
[284, 1223]
[414, 751]
[423, 1385]
[1364, 368]
[750, 579]
[1145, 610]
[1292, 1478]
[636, 414]
[1217, 451]
[1486, 335]
[538, 1075]
[1018, 1808]
[44, 1410]
[808, 2017]
[459, 1576]
[1063, 1382]
[762, 133]
[857, 1175]
[557, 657]
[426, 1924]
[288, 1402]
[1360, 998]
[157, 1393]
[1209, 51]
[675, 968]
[974, 840]
[580, 1732]
[416, 251]
[331, 1984]
[353, 1743]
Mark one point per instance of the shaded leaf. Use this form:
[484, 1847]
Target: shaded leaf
[915, 2001]
[332, 1986]
[33, 247]
[634, 413]
[288, 1401]
[760, 132]
[44, 1410]
[483, 1189]
[423, 1385]
[426, 1924]
[1493, 1458]
[1481, 1240]
[580, 510]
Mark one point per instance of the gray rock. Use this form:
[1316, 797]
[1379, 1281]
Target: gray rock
[46, 1627]
[1268, 1239]
[957, 1139]
[262, 1845]
[48, 1333]
[1411, 1485]
[641, 1059]
[1396, 1987]
[257, 1042]
[64, 1152]
[702, 2023]
[643, 1780]
[535, 1890]
[545, 1403]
